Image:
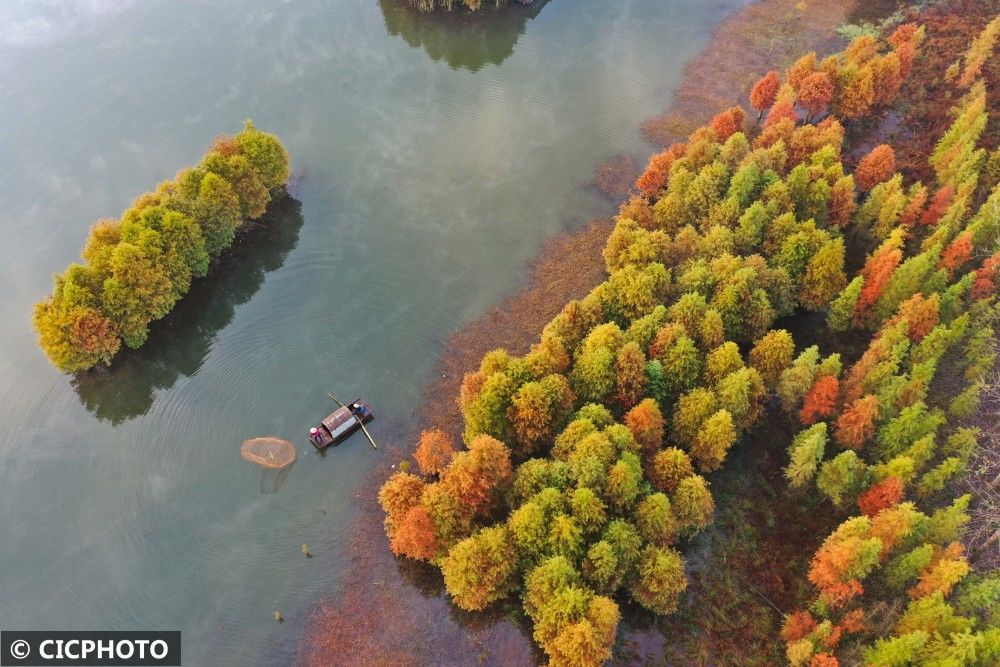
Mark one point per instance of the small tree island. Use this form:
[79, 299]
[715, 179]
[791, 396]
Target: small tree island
[136, 268]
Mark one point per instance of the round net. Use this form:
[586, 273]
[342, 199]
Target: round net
[269, 452]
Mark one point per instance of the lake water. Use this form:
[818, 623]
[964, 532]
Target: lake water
[432, 158]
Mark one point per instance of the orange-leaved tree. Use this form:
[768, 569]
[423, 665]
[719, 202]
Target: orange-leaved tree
[875, 167]
[434, 451]
[764, 91]
[815, 94]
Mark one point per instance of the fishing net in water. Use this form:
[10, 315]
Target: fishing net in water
[269, 452]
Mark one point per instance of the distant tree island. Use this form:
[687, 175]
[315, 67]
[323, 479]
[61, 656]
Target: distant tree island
[471, 5]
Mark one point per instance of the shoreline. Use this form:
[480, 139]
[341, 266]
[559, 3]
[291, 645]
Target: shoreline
[567, 266]
[405, 617]
[764, 35]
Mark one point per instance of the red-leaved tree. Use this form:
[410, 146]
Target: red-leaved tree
[729, 122]
[879, 496]
[956, 254]
[434, 451]
[821, 401]
[797, 625]
[651, 181]
[764, 91]
[779, 112]
[876, 167]
[877, 272]
[856, 424]
[414, 536]
[939, 204]
[815, 93]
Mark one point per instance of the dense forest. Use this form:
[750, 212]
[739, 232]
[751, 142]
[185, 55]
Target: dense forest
[137, 267]
[585, 465]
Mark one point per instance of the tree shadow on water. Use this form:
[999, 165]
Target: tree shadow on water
[179, 343]
[492, 627]
[463, 39]
[422, 576]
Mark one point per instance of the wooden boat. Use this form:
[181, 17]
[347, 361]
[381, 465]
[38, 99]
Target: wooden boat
[341, 423]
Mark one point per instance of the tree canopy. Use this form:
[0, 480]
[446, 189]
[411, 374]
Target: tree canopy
[137, 267]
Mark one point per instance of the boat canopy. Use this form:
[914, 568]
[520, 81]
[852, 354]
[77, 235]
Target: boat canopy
[339, 422]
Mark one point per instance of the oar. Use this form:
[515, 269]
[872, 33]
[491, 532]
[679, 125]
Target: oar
[359, 420]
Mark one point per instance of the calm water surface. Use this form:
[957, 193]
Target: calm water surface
[432, 159]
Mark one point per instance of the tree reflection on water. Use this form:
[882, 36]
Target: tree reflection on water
[462, 39]
[179, 344]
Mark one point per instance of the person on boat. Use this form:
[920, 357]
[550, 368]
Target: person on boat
[358, 409]
[315, 434]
